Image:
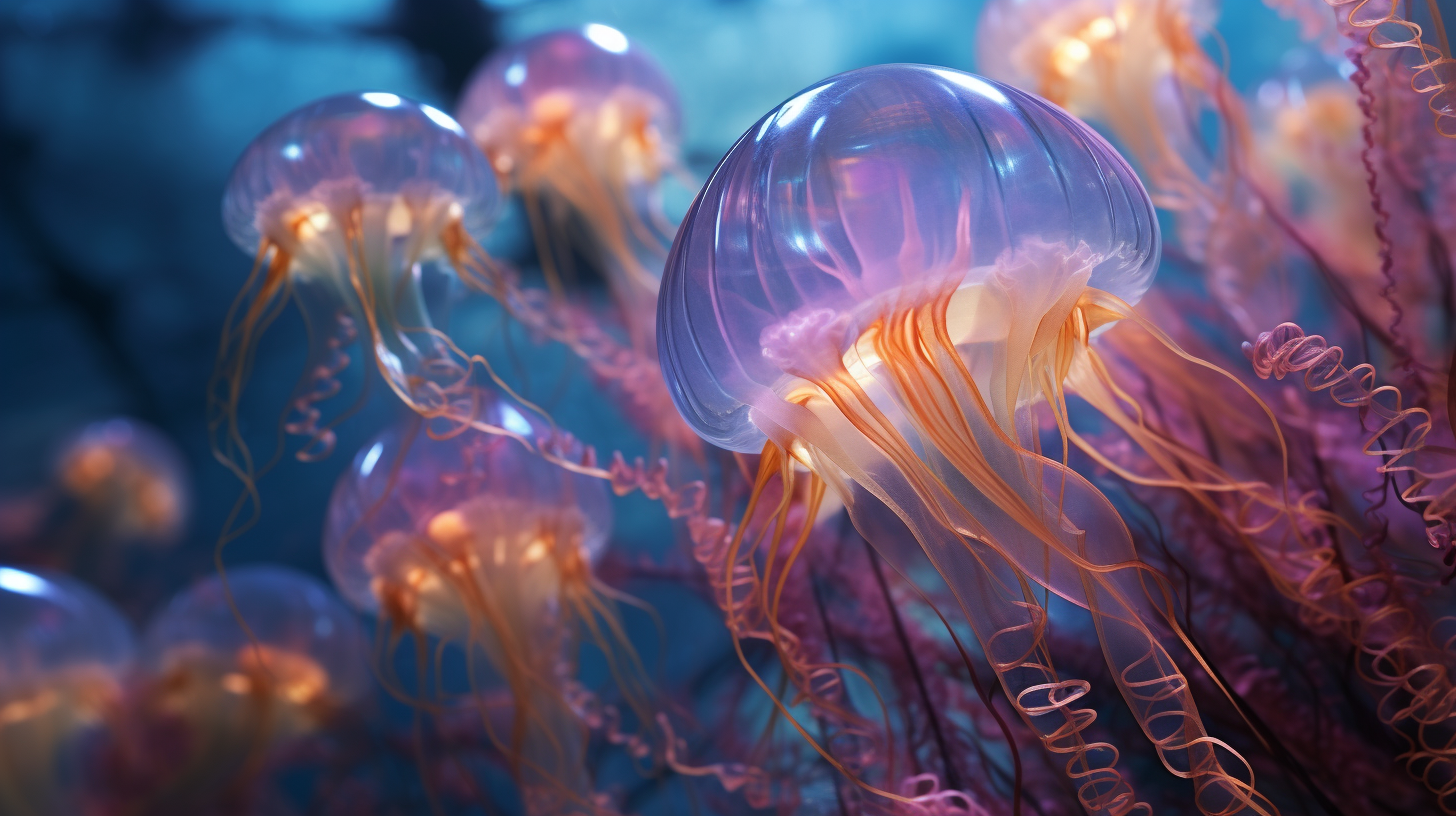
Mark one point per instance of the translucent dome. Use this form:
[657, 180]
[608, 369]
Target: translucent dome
[383, 495]
[286, 610]
[1028, 43]
[349, 146]
[863, 184]
[50, 623]
[588, 65]
[132, 471]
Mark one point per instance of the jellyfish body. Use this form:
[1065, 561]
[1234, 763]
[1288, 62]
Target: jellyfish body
[128, 481]
[476, 541]
[1138, 69]
[64, 652]
[236, 696]
[585, 125]
[345, 204]
[880, 281]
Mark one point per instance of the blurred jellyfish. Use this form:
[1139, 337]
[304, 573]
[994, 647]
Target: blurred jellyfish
[1309, 123]
[128, 481]
[585, 125]
[481, 544]
[884, 282]
[346, 204]
[64, 652]
[1136, 67]
[232, 698]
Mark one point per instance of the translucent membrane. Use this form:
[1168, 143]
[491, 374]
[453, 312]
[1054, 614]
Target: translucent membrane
[129, 480]
[1136, 67]
[237, 694]
[475, 540]
[345, 204]
[64, 652]
[585, 126]
[883, 279]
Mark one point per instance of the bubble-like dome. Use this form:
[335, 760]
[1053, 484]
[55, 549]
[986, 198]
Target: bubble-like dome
[400, 482]
[862, 184]
[132, 471]
[355, 145]
[583, 66]
[51, 623]
[288, 612]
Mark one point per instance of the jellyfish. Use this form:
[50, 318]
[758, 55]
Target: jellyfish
[345, 205]
[232, 696]
[475, 541]
[128, 482]
[64, 655]
[884, 283]
[585, 125]
[1136, 67]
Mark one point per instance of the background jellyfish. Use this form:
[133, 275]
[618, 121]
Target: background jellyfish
[219, 701]
[881, 279]
[585, 125]
[345, 204]
[475, 541]
[1138, 69]
[127, 480]
[64, 654]
[115, 486]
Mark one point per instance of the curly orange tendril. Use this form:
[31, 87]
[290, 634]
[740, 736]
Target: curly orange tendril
[1407, 664]
[989, 513]
[1433, 69]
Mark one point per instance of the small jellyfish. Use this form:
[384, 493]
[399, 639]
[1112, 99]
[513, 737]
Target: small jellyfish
[477, 542]
[345, 204]
[585, 125]
[233, 697]
[128, 481]
[64, 652]
[1137, 68]
[885, 282]
[1310, 134]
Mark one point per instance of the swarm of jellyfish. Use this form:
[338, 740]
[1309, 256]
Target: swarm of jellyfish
[1070, 437]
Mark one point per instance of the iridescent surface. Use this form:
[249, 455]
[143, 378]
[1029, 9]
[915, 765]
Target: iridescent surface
[826, 204]
[286, 613]
[337, 153]
[581, 68]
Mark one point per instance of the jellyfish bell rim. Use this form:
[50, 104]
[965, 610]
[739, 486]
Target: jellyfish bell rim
[473, 110]
[241, 213]
[115, 645]
[726, 419]
[343, 640]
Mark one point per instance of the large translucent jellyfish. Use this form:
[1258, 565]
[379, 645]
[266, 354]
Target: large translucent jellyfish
[64, 652]
[128, 481]
[236, 695]
[476, 541]
[345, 204]
[585, 125]
[884, 282]
[1136, 67]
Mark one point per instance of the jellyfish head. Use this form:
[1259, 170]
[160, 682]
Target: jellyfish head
[476, 541]
[1089, 56]
[345, 203]
[238, 693]
[575, 101]
[128, 478]
[64, 652]
[892, 220]
[471, 533]
[584, 124]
